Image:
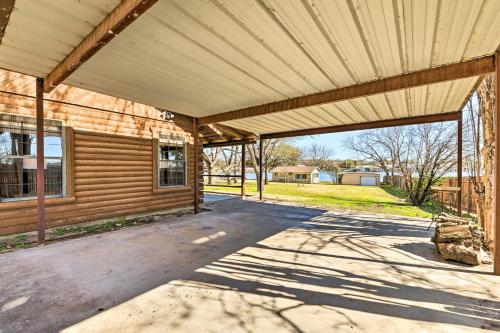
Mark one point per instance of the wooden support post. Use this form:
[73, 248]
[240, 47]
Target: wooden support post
[459, 166]
[496, 262]
[40, 163]
[196, 140]
[243, 169]
[261, 182]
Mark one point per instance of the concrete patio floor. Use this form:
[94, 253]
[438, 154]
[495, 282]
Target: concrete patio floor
[247, 266]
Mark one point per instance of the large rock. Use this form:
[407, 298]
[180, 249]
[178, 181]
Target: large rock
[454, 219]
[460, 253]
[485, 257]
[449, 234]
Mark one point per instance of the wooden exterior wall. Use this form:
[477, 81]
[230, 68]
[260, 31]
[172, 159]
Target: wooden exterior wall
[109, 158]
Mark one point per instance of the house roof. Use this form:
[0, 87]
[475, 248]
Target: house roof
[296, 169]
[207, 58]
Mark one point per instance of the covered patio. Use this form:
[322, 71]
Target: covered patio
[136, 88]
[248, 266]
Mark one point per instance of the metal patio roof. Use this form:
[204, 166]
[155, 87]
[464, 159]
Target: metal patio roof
[206, 57]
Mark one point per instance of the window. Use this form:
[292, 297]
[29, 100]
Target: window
[171, 161]
[301, 176]
[18, 158]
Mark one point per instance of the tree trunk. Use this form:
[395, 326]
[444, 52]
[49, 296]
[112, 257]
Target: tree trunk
[487, 104]
[266, 171]
[209, 168]
[253, 152]
[480, 211]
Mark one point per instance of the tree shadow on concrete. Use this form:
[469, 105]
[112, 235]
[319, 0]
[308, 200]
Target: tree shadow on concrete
[358, 292]
[307, 257]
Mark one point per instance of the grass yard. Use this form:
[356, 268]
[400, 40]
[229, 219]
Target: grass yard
[381, 199]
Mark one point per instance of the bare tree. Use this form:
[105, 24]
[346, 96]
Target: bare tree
[426, 153]
[423, 153]
[270, 148]
[332, 168]
[231, 161]
[211, 158]
[317, 155]
[374, 145]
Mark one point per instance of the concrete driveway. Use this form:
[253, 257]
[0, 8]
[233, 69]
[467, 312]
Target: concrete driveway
[248, 267]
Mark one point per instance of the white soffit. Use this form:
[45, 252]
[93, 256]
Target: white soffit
[203, 57]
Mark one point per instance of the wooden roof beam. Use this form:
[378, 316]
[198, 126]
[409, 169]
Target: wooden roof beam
[475, 67]
[6, 7]
[117, 20]
[433, 118]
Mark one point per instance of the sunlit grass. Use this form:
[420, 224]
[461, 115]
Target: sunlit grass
[380, 199]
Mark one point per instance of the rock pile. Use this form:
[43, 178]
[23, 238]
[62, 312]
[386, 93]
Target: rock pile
[459, 240]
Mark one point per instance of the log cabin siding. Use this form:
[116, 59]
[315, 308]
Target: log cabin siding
[107, 183]
[109, 161]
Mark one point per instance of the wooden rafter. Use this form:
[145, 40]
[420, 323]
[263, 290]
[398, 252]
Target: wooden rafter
[6, 7]
[117, 20]
[368, 125]
[444, 73]
[228, 143]
[231, 131]
[221, 135]
[217, 131]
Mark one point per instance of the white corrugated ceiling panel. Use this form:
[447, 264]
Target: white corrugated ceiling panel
[41, 33]
[203, 57]
[433, 99]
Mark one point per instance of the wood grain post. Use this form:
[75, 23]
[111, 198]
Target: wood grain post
[243, 170]
[496, 261]
[459, 166]
[196, 166]
[261, 182]
[40, 163]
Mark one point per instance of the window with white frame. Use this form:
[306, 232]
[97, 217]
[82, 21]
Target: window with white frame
[18, 158]
[171, 161]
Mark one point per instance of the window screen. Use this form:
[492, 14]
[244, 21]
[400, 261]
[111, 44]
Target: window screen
[171, 161]
[18, 157]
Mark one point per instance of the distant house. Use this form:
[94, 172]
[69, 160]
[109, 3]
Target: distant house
[360, 178]
[369, 168]
[296, 174]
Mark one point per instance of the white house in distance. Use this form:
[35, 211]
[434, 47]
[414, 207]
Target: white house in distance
[296, 174]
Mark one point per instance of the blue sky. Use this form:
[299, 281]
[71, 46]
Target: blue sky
[334, 141]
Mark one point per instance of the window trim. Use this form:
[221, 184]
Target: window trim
[68, 179]
[155, 142]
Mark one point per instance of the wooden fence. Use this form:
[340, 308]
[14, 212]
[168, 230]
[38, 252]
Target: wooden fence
[469, 196]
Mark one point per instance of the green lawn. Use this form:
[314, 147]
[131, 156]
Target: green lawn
[381, 199]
